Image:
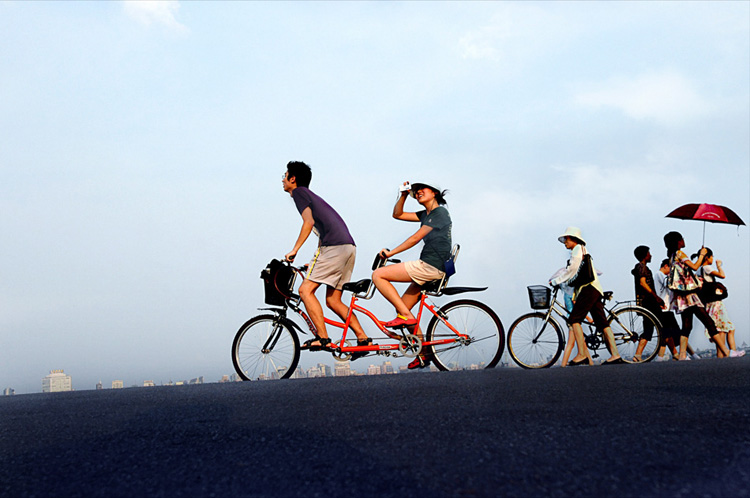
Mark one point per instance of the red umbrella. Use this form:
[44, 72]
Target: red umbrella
[712, 213]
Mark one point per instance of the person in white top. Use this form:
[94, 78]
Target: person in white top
[586, 299]
[716, 309]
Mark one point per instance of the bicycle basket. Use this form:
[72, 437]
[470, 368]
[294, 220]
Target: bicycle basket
[539, 297]
[278, 280]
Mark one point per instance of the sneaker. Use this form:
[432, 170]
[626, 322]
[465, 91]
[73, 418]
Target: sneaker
[695, 357]
[736, 354]
[400, 321]
[688, 358]
[418, 362]
[661, 358]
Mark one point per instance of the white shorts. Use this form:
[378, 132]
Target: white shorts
[332, 265]
[421, 272]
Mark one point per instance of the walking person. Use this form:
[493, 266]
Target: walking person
[670, 328]
[333, 262]
[587, 299]
[646, 296]
[435, 231]
[686, 301]
[717, 309]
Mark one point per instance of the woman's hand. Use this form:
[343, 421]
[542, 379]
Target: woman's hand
[385, 253]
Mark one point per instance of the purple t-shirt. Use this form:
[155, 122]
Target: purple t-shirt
[329, 226]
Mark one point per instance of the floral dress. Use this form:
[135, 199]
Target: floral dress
[682, 301]
[716, 309]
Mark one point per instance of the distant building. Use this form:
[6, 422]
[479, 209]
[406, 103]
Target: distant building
[99, 386]
[387, 368]
[57, 382]
[198, 380]
[342, 369]
[8, 391]
[299, 374]
[373, 370]
[117, 384]
[224, 378]
[148, 383]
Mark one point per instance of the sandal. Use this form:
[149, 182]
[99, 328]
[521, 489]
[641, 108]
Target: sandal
[323, 343]
[308, 343]
[637, 359]
[360, 354]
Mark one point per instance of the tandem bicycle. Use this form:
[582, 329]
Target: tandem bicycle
[461, 334]
[535, 340]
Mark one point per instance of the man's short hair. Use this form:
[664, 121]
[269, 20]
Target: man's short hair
[664, 261]
[640, 252]
[301, 172]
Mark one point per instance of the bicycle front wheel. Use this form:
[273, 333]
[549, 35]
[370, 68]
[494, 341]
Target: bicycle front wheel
[630, 326]
[265, 348]
[483, 346]
[534, 342]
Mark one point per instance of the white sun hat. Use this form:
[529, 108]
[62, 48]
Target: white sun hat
[573, 232]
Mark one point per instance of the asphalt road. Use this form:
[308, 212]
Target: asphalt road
[658, 429]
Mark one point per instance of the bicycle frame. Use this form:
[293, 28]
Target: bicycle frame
[404, 341]
[354, 307]
[563, 313]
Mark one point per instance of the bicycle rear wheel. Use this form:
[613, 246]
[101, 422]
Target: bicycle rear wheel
[532, 347]
[265, 348]
[628, 325]
[486, 337]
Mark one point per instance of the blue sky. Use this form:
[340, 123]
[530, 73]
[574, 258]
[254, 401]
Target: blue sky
[142, 146]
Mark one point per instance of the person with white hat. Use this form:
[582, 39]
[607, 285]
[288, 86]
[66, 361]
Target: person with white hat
[586, 299]
[435, 231]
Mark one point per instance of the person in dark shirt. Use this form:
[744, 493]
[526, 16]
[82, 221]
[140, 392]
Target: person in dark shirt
[333, 262]
[646, 296]
[435, 231]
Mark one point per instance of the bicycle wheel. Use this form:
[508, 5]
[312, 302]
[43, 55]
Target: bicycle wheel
[532, 347]
[628, 326]
[265, 348]
[486, 337]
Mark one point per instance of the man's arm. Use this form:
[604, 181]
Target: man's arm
[307, 225]
[651, 291]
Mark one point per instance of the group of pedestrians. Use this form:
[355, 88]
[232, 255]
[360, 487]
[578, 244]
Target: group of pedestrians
[333, 261]
[676, 289]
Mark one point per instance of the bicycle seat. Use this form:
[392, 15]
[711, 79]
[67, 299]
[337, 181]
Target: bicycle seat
[357, 287]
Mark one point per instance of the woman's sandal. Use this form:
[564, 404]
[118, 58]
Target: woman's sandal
[359, 354]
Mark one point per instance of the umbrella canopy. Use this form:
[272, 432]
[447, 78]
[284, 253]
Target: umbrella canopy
[712, 213]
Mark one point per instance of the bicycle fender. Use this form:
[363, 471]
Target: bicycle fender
[450, 291]
[294, 325]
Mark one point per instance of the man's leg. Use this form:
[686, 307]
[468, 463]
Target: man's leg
[334, 303]
[313, 307]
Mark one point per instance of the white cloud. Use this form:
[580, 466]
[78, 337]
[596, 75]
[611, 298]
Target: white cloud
[666, 97]
[148, 12]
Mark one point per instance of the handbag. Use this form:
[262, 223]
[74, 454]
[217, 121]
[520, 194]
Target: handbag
[585, 274]
[711, 290]
[681, 279]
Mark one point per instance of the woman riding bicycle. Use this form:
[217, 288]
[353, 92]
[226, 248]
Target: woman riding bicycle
[435, 231]
[587, 299]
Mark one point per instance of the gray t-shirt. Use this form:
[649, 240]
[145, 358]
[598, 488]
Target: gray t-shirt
[329, 226]
[437, 243]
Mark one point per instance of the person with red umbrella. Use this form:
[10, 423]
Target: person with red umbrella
[686, 302]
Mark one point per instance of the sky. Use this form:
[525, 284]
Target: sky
[142, 146]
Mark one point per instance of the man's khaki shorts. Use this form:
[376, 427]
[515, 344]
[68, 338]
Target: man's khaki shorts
[421, 272]
[332, 265]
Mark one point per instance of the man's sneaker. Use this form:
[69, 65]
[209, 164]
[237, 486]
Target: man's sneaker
[736, 354]
[695, 357]
[661, 358]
